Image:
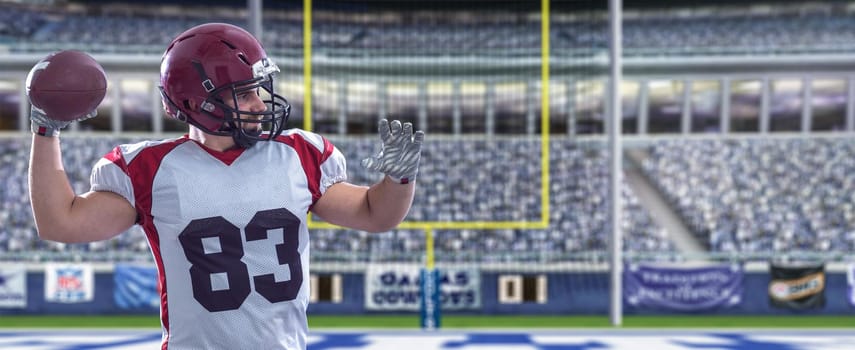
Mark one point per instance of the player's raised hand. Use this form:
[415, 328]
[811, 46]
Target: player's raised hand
[64, 87]
[45, 126]
[400, 151]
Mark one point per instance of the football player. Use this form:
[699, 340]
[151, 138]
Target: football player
[224, 207]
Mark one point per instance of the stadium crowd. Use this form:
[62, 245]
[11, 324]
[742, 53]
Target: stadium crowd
[461, 180]
[761, 195]
[727, 30]
[736, 195]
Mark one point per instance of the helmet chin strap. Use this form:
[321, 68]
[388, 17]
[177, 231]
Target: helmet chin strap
[242, 138]
[245, 139]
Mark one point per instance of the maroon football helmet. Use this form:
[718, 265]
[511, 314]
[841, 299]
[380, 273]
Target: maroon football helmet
[210, 61]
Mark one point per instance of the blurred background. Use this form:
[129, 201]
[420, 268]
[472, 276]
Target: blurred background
[736, 121]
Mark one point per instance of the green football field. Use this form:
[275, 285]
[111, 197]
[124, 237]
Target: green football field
[462, 322]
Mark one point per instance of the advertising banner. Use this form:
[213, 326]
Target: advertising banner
[136, 288]
[13, 286]
[797, 287]
[682, 288]
[69, 283]
[397, 287]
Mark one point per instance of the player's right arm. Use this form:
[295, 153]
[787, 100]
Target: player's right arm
[60, 214]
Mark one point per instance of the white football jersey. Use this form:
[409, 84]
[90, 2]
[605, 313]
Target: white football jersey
[228, 233]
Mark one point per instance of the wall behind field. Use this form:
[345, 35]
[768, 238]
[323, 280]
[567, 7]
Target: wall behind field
[569, 293]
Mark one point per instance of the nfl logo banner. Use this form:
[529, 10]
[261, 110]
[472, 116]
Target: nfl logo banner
[69, 283]
[13, 286]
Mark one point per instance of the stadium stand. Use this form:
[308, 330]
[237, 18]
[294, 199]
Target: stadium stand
[19, 24]
[736, 195]
[760, 195]
[456, 189]
[677, 32]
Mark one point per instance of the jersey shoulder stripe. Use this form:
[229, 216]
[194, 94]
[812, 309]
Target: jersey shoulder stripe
[130, 151]
[113, 172]
[312, 138]
[313, 150]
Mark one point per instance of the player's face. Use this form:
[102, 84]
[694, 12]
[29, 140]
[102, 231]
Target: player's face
[247, 100]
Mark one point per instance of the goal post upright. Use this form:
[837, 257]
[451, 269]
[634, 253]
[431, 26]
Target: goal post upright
[544, 113]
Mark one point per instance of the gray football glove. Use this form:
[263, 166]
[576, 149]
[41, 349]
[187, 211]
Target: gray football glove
[43, 125]
[400, 152]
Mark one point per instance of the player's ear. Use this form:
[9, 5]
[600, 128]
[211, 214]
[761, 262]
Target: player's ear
[191, 105]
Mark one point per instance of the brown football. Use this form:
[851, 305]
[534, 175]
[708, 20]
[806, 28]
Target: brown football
[67, 85]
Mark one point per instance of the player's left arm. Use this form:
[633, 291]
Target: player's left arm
[378, 208]
[384, 205]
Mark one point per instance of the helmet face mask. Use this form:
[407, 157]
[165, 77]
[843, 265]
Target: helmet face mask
[210, 64]
[247, 127]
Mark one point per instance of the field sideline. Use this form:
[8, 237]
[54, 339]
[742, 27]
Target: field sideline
[463, 322]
